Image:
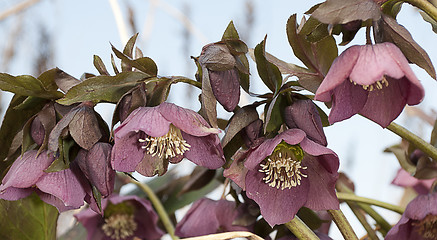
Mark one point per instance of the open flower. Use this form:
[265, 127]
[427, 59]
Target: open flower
[207, 216]
[286, 173]
[372, 80]
[61, 189]
[153, 136]
[125, 217]
[419, 221]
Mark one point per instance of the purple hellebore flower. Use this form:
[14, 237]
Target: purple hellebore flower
[153, 136]
[404, 179]
[61, 189]
[288, 172]
[125, 217]
[372, 80]
[418, 222]
[207, 216]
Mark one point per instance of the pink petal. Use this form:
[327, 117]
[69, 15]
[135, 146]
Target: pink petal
[12, 193]
[204, 151]
[146, 119]
[126, 153]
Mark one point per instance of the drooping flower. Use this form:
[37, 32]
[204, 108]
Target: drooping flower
[372, 80]
[125, 217]
[418, 222]
[285, 173]
[153, 136]
[61, 189]
[207, 216]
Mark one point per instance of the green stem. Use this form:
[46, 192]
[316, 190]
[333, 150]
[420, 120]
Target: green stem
[343, 225]
[426, 6]
[300, 229]
[177, 79]
[427, 148]
[354, 198]
[382, 223]
[362, 218]
[158, 207]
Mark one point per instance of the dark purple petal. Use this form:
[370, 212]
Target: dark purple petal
[63, 185]
[37, 131]
[186, 120]
[204, 151]
[126, 153]
[91, 221]
[277, 206]
[226, 87]
[146, 119]
[401, 231]
[321, 195]
[421, 206]
[152, 165]
[12, 194]
[26, 170]
[54, 201]
[326, 157]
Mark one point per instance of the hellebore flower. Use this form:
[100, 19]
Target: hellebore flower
[207, 216]
[153, 136]
[125, 217]
[61, 189]
[288, 172]
[404, 179]
[372, 80]
[418, 222]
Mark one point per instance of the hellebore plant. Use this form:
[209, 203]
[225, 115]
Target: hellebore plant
[404, 179]
[207, 216]
[125, 218]
[288, 172]
[153, 136]
[372, 80]
[419, 221]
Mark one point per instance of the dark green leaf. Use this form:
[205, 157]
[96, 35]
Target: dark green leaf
[103, 88]
[128, 50]
[397, 34]
[402, 157]
[157, 91]
[114, 66]
[267, 71]
[274, 118]
[47, 78]
[28, 218]
[243, 117]
[144, 64]
[27, 85]
[429, 19]
[230, 32]
[99, 65]
[341, 12]
[208, 100]
[434, 135]
[314, 30]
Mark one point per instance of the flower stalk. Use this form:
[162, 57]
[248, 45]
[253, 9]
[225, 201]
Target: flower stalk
[343, 225]
[427, 148]
[300, 229]
[426, 6]
[158, 207]
[354, 198]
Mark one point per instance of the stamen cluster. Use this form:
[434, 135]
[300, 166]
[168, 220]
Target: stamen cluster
[427, 227]
[119, 226]
[378, 85]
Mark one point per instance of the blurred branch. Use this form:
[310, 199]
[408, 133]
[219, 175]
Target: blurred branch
[354, 198]
[121, 25]
[226, 235]
[17, 8]
[300, 229]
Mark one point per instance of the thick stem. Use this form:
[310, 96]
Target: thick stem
[343, 225]
[354, 198]
[371, 234]
[300, 229]
[426, 6]
[158, 207]
[427, 148]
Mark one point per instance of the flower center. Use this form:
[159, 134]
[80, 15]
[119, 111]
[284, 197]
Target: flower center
[427, 227]
[283, 169]
[375, 86]
[119, 226]
[167, 146]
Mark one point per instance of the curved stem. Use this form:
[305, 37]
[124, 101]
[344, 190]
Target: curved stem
[354, 198]
[192, 82]
[426, 6]
[158, 207]
[371, 234]
[300, 229]
[427, 148]
[343, 224]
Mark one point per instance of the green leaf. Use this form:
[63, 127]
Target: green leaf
[28, 86]
[144, 64]
[157, 91]
[230, 32]
[128, 50]
[99, 65]
[103, 88]
[274, 118]
[114, 66]
[267, 71]
[431, 21]
[402, 157]
[28, 218]
[342, 12]
[243, 117]
[208, 100]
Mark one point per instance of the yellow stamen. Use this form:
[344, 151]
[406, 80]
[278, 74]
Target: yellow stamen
[119, 226]
[427, 227]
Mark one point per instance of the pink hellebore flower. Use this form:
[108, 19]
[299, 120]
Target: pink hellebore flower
[150, 137]
[288, 172]
[372, 80]
[61, 189]
[419, 221]
[404, 179]
[125, 217]
[207, 216]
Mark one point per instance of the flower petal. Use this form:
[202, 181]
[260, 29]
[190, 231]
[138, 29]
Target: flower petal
[126, 153]
[204, 151]
[146, 119]
[326, 157]
[54, 201]
[421, 206]
[91, 221]
[12, 193]
[152, 165]
[226, 87]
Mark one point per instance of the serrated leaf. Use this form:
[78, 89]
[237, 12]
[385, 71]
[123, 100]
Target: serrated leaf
[243, 117]
[144, 64]
[28, 218]
[341, 12]
[103, 88]
[274, 118]
[26, 85]
[397, 34]
[99, 65]
[267, 71]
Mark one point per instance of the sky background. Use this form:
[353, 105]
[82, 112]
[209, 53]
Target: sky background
[80, 29]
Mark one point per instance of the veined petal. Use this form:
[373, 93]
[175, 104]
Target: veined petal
[126, 153]
[12, 193]
[205, 151]
[146, 119]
